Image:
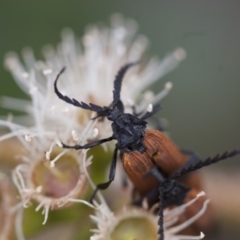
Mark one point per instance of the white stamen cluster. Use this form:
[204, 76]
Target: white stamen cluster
[22, 177]
[39, 142]
[107, 221]
[92, 64]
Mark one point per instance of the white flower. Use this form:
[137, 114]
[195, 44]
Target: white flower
[47, 174]
[132, 222]
[92, 64]
[51, 188]
[141, 223]
[37, 178]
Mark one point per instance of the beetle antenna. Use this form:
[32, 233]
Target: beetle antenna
[118, 82]
[206, 162]
[100, 110]
[157, 174]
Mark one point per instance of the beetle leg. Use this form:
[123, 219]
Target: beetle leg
[155, 172]
[103, 186]
[88, 145]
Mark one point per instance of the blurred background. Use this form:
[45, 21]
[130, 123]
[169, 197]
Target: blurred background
[203, 107]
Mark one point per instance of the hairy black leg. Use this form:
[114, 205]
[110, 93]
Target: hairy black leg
[88, 145]
[105, 185]
[155, 172]
[100, 110]
[155, 109]
[206, 162]
[118, 82]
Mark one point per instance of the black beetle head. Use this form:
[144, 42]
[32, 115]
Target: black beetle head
[113, 114]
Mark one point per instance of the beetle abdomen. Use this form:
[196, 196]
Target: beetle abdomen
[137, 165]
[163, 152]
[160, 151]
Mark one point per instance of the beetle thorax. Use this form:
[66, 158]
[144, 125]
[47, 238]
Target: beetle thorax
[129, 132]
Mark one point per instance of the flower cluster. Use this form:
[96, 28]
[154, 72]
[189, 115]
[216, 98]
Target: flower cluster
[54, 177]
[142, 223]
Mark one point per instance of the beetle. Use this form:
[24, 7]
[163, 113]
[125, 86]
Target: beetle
[151, 160]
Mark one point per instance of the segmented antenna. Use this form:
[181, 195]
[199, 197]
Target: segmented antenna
[160, 214]
[118, 82]
[206, 162]
[74, 102]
